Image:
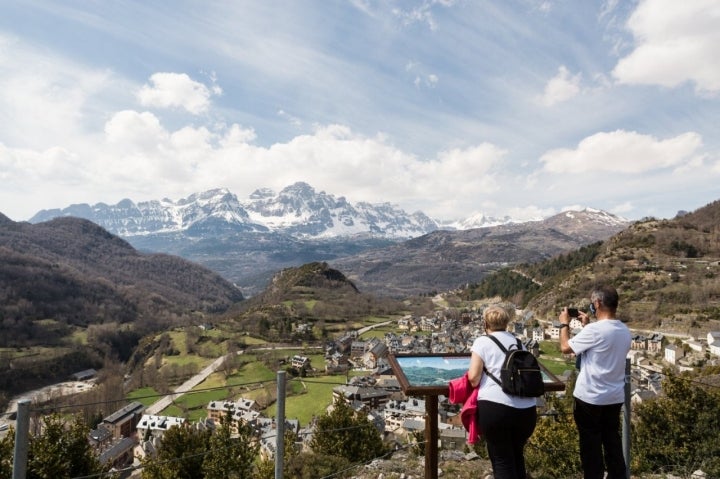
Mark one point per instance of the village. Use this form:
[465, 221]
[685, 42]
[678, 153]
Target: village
[129, 434]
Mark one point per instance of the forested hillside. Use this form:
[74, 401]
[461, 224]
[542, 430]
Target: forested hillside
[76, 273]
[310, 302]
[71, 286]
[667, 273]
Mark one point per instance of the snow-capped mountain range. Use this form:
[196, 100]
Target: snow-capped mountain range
[247, 241]
[298, 210]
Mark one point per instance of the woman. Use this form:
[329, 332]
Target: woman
[506, 422]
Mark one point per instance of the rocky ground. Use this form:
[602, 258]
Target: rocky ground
[406, 465]
[451, 465]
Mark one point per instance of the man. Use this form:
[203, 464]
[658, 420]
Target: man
[600, 388]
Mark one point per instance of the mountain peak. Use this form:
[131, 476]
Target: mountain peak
[298, 210]
[299, 188]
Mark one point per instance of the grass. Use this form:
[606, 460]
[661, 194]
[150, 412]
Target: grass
[145, 396]
[185, 359]
[370, 320]
[178, 338]
[550, 349]
[200, 400]
[79, 336]
[311, 399]
[379, 332]
[557, 367]
[252, 341]
[553, 359]
[317, 361]
[253, 372]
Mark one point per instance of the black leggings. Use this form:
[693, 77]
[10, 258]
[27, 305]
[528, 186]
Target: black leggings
[506, 430]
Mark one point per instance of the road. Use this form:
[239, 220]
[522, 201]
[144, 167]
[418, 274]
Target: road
[373, 326]
[166, 401]
[73, 387]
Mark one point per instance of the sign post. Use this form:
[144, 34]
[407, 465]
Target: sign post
[428, 375]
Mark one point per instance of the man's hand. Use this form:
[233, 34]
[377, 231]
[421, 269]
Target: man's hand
[565, 316]
[564, 344]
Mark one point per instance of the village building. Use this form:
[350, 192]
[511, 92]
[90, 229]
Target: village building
[673, 353]
[122, 422]
[713, 340]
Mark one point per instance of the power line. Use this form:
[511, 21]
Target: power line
[159, 395]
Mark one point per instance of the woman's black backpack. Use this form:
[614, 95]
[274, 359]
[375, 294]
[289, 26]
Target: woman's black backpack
[520, 374]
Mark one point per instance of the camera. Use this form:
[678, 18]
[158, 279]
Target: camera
[573, 312]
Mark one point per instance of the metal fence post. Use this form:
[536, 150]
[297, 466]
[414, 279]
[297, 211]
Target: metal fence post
[22, 433]
[626, 419]
[280, 426]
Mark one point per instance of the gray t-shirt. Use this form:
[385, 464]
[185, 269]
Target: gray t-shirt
[604, 345]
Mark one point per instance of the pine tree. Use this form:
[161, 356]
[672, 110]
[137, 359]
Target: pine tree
[679, 430]
[553, 449]
[345, 433]
[7, 448]
[265, 468]
[180, 454]
[230, 456]
[61, 450]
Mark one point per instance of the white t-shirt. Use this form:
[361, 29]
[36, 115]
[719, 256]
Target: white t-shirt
[604, 345]
[493, 358]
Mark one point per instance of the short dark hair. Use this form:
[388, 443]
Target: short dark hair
[607, 295]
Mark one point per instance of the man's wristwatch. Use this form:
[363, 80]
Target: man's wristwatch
[563, 326]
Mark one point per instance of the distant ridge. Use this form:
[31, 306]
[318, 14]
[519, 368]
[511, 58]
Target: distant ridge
[298, 211]
[446, 260]
[248, 241]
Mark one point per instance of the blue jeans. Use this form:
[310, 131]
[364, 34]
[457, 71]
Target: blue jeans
[600, 443]
[506, 430]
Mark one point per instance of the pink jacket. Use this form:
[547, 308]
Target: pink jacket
[460, 391]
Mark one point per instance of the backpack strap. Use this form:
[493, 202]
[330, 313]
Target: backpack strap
[504, 350]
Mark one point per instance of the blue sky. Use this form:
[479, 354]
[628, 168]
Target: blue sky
[453, 107]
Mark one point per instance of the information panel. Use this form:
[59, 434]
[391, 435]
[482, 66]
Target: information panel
[429, 374]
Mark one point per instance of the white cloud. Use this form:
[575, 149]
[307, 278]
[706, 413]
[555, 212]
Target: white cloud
[20, 165]
[133, 130]
[623, 152]
[675, 42]
[73, 132]
[237, 135]
[422, 13]
[177, 90]
[560, 88]
[622, 208]
[44, 93]
[530, 213]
